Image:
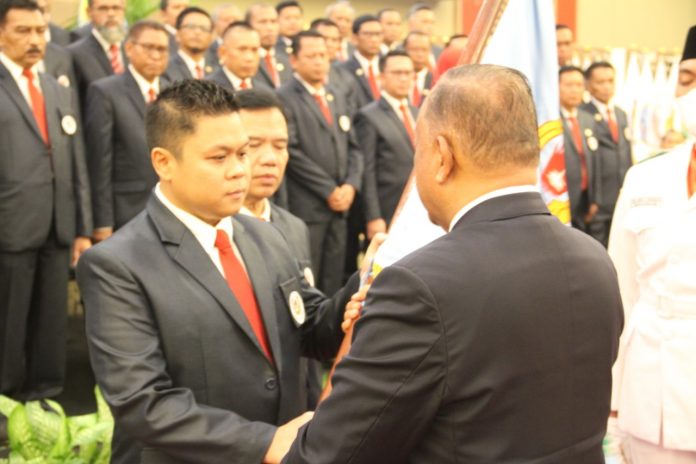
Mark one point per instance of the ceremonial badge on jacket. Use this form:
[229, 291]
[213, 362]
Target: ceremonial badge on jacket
[359, 72]
[309, 276]
[288, 50]
[588, 132]
[69, 125]
[344, 122]
[281, 67]
[64, 80]
[597, 117]
[297, 309]
[592, 143]
[208, 69]
[329, 97]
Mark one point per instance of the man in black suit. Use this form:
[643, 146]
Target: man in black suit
[275, 67]
[342, 13]
[289, 24]
[44, 208]
[239, 58]
[614, 152]
[194, 34]
[326, 166]
[169, 10]
[385, 131]
[417, 45]
[363, 65]
[339, 78]
[222, 15]
[197, 320]
[99, 53]
[119, 164]
[421, 17]
[391, 26]
[580, 147]
[495, 342]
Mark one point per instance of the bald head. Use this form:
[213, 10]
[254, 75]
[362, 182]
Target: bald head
[490, 112]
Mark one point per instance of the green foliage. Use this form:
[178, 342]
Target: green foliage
[40, 433]
[140, 9]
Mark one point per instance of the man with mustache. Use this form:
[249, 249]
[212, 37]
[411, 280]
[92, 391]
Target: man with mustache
[99, 54]
[44, 208]
[194, 33]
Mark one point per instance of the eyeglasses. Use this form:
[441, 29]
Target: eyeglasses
[151, 49]
[196, 27]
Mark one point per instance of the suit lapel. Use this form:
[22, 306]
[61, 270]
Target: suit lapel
[260, 281]
[395, 121]
[51, 105]
[100, 54]
[10, 86]
[309, 101]
[134, 94]
[185, 249]
[362, 78]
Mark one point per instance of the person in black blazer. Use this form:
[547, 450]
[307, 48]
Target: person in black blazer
[169, 11]
[58, 63]
[275, 66]
[421, 17]
[44, 208]
[580, 146]
[614, 152]
[239, 58]
[326, 165]
[119, 159]
[99, 52]
[186, 374]
[194, 36]
[417, 45]
[495, 342]
[386, 141]
[363, 64]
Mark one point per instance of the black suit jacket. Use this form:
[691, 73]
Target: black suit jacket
[295, 233]
[363, 91]
[59, 64]
[80, 32]
[578, 208]
[342, 81]
[388, 154]
[178, 71]
[220, 77]
[492, 344]
[119, 163]
[59, 36]
[282, 67]
[41, 187]
[322, 157]
[613, 159]
[176, 357]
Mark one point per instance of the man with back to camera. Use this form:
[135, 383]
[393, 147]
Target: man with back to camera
[120, 170]
[495, 342]
[196, 320]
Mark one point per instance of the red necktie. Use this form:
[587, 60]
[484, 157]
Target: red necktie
[373, 82]
[577, 139]
[199, 72]
[324, 108]
[240, 285]
[151, 95]
[271, 69]
[38, 106]
[415, 95]
[613, 128]
[243, 85]
[692, 172]
[115, 55]
[407, 124]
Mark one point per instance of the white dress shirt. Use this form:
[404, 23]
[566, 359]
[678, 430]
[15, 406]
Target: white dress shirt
[366, 64]
[396, 106]
[602, 107]
[16, 71]
[144, 84]
[191, 64]
[488, 196]
[236, 80]
[265, 214]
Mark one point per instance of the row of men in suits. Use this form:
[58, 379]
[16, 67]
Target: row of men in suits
[596, 146]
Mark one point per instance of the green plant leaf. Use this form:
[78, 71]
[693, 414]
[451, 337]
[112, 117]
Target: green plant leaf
[21, 438]
[103, 410]
[45, 425]
[7, 405]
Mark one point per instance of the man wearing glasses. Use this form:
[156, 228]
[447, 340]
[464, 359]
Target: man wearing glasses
[119, 161]
[194, 35]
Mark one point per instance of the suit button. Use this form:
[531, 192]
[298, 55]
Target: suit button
[271, 383]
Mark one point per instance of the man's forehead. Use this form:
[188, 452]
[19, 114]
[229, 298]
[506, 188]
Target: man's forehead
[25, 17]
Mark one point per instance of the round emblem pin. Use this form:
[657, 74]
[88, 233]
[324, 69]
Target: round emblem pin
[63, 80]
[68, 124]
[329, 97]
[592, 143]
[344, 122]
[597, 117]
[208, 69]
[588, 132]
[297, 309]
[309, 276]
[281, 67]
[359, 72]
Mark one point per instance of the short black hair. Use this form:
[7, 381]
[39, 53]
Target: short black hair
[143, 25]
[360, 20]
[173, 115]
[258, 99]
[381, 12]
[237, 25]
[597, 65]
[322, 22]
[411, 34]
[190, 10]
[7, 5]
[288, 4]
[566, 69]
[391, 54]
[419, 7]
[297, 40]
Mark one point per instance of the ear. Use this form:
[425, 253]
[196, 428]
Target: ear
[128, 49]
[293, 61]
[445, 159]
[221, 51]
[164, 163]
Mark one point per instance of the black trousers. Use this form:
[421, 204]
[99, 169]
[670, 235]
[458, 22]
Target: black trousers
[33, 321]
[328, 249]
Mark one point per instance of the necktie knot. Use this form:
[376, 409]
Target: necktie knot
[243, 85]
[26, 72]
[222, 241]
[151, 95]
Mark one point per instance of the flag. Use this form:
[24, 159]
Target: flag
[524, 39]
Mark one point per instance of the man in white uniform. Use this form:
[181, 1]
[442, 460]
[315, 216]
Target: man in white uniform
[653, 245]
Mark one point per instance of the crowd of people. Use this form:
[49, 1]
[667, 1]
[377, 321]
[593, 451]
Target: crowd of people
[149, 138]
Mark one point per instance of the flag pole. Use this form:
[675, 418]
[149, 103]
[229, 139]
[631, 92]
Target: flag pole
[482, 30]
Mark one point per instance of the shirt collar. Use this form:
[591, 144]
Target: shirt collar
[263, 52]
[143, 83]
[312, 90]
[395, 103]
[365, 64]
[190, 63]
[569, 113]
[488, 196]
[265, 214]
[102, 41]
[204, 232]
[171, 29]
[602, 107]
[15, 69]
[234, 79]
